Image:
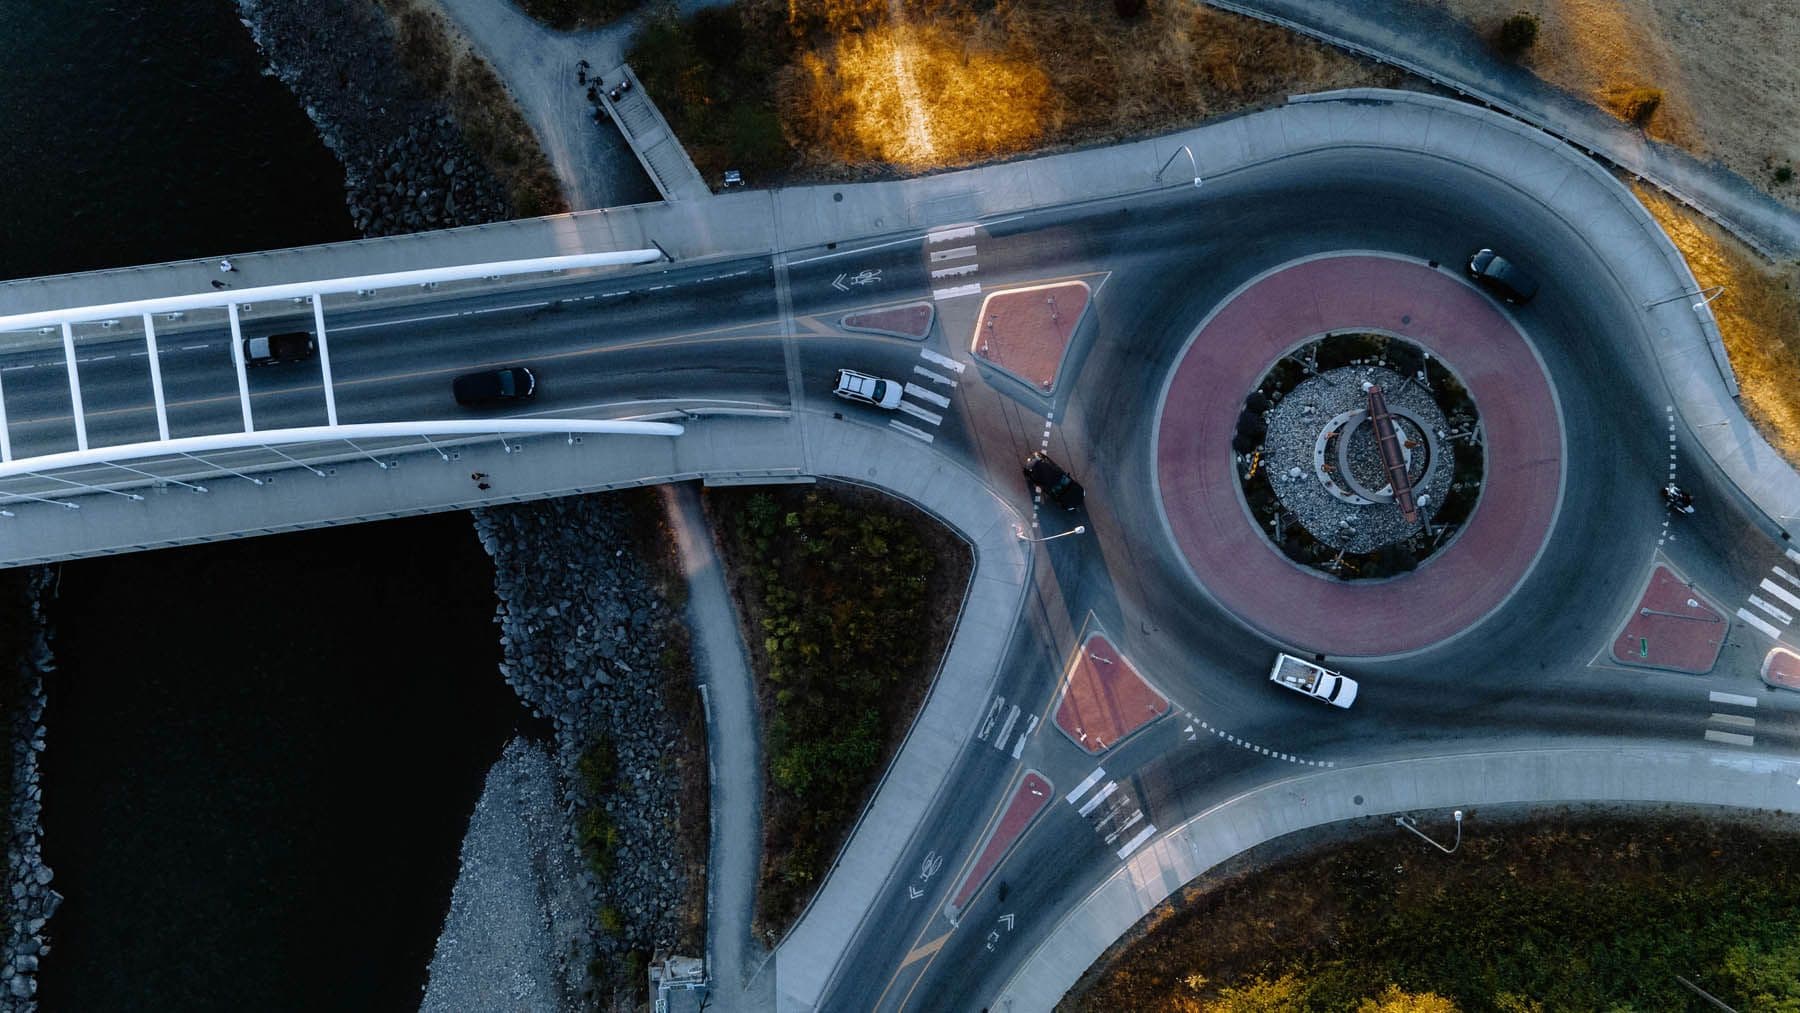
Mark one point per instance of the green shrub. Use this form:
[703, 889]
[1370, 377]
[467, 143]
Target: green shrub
[1517, 33]
[1784, 174]
[612, 921]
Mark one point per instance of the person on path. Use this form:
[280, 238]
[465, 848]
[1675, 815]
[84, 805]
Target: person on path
[225, 266]
[476, 476]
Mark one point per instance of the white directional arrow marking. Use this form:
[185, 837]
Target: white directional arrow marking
[914, 892]
[838, 283]
[1007, 920]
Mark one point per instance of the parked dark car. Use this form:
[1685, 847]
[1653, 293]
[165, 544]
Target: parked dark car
[514, 383]
[1056, 484]
[1502, 277]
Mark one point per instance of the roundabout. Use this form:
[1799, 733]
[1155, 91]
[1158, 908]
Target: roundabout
[1272, 482]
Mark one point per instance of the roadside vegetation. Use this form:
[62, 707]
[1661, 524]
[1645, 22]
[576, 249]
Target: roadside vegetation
[849, 600]
[598, 767]
[788, 92]
[1562, 912]
[1758, 315]
[438, 59]
[575, 15]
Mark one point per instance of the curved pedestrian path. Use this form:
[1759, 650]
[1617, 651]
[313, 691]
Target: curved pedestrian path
[1198, 488]
[1569, 775]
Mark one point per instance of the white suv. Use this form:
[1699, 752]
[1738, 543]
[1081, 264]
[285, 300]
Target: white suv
[854, 386]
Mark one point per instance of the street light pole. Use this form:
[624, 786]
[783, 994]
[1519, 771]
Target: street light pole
[1171, 161]
[1407, 822]
[1020, 533]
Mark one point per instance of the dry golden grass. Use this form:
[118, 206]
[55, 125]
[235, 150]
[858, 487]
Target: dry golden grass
[1727, 70]
[1759, 317]
[439, 60]
[944, 83]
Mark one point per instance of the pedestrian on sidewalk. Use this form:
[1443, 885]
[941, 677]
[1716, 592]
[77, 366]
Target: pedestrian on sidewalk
[225, 266]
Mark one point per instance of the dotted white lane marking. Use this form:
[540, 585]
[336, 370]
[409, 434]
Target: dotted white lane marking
[1253, 747]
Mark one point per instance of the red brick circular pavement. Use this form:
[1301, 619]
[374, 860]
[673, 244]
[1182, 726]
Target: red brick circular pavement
[1198, 487]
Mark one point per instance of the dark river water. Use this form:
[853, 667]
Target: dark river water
[262, 753]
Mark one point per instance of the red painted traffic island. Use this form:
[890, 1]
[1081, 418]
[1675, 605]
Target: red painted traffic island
[1199, 493]
[1671, 628]
[1781, 669]
[1028, 799]
[1025, 331]
[913, 320]
[1104, 699]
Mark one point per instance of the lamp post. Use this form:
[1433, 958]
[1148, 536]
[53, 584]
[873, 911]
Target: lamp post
[1407, 822]
[1020, 533]
[1190, 155]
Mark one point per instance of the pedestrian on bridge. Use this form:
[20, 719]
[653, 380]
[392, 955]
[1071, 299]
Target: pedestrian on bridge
[225, 266]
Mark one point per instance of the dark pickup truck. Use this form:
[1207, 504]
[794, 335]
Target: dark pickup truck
[289, 346]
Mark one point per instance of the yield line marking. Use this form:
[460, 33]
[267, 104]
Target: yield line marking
[934, 377]
[910, 431]
[1733, 719]
[927, 396]
[1099, 797]
[972, 288]
[1755, 620]
[1780, 592]
[919, 413]
[1730, 738]
[1024, 736]
[1772, 610]
[1735, 699]
[1081, 789]
[958, 253]
[941, 359]
[1137, 842]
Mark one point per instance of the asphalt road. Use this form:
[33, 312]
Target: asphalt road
[1534, 673]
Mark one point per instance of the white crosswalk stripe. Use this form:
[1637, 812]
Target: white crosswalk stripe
[956, 253]
[1734, 699]
[917, 434]
[926, 395]
[1772, 610]
[955, 272]
[1019, 747]
[945, 235]
[1099, 797]
[1006, 729]
[940, 359]
[1088, 782]
[1730, 738]
[1138, 841]
[1780, 592]
[956, 291]
[934, 377]
[932, 418]
[1755, 620]
[1784, 575]
[987, 723]
[1791, 554]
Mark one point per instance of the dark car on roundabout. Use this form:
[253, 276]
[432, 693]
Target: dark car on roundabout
[1502, 277]
[514, 383]
[1055, 483]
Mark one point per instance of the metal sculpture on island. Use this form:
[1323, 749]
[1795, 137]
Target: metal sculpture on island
[1361, 455]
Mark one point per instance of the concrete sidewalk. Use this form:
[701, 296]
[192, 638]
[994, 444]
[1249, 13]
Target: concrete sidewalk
[1424, 39]
[734, 754]
[1569, 775]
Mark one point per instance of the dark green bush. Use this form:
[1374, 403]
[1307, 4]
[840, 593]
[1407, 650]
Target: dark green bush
[1517, 33]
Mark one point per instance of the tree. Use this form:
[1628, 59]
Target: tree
[1517, 33]
[1285, 994]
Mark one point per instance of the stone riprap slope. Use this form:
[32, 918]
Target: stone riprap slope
[581, 637]
[514, 937]
[30, 901]
[406, 166]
